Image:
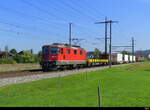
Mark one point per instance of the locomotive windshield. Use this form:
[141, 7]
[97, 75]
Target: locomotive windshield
[51, 50]
[54, 50]
[46, 50]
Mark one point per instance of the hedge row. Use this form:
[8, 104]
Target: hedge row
[7, 61]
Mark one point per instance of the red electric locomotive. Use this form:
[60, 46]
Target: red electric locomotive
[58, 56]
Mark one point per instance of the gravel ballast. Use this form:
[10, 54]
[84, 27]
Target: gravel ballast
[22, 79]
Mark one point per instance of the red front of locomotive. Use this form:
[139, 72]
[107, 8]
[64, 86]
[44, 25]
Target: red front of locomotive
[59, 56]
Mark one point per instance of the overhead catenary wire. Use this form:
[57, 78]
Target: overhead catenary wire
[95, 13]
[23, 27]
[76, 10]
[56, 8]
[35, 18]
[32, 16]
[39, 8]
[43, 10]
[99, 12]
[23, 35]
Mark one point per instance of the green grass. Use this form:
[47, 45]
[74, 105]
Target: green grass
[126, 86]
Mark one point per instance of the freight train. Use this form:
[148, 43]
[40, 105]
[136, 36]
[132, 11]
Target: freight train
[60, 56]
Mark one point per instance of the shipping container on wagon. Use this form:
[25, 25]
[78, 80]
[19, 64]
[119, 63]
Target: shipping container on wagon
[117, 58]
[134, 58]
[130, 58]
[126, 59]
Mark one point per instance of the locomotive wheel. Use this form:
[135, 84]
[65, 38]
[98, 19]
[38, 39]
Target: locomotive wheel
[61, 68]
[70, 67]
[44, 70]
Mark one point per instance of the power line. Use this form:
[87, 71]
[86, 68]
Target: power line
[38, 8]
[22, 34]
[52, 5]
[24, 15]
[76, 10]
[95, 10]
[120, 32]
[22, 27]
[88, 10]
[62, 7]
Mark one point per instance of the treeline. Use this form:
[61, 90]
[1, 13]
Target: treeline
[14, 57]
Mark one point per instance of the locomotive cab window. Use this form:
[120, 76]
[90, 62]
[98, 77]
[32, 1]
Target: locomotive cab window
[81, 52]
[75, 52]
[68, 51]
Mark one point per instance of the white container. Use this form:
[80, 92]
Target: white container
[126, 58]
[130, 58]
[134, 58]
[117, 58]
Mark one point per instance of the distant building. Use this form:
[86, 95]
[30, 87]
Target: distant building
[4, 54]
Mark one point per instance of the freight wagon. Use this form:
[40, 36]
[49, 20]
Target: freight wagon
[117, 58]
[140, 59]
[126, 58]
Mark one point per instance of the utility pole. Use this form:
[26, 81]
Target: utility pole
[106, 26]
[132, 48]
[110, 46]
[106, 36]
[70, 33]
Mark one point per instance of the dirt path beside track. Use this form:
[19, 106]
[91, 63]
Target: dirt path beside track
[18, 67]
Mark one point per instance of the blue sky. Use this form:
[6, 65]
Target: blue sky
[29, 24]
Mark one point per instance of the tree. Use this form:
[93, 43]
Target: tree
[97, 53]
[26, 57]
[125, 52]
[13, 51]
[40, 53]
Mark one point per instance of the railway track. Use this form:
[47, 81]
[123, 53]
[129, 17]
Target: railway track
[34, 72]
[7, 78]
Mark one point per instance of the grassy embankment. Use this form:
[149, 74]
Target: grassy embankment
[126, 86]
[18, 67]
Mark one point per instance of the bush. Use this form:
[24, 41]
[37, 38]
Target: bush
[19, 59]
[26, 57]
[7, 61]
